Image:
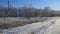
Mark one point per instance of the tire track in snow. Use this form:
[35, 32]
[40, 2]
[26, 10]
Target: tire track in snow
[39, 30]
[43, 29]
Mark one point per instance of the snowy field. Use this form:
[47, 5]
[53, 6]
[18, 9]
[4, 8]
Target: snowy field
[50, 26]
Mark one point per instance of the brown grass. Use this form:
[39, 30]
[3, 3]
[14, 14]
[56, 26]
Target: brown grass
[15, 22]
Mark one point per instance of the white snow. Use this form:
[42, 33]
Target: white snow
[50, 26]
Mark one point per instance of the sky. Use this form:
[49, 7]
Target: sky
[54, 4]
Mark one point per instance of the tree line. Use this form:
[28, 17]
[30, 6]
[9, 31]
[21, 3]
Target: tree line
[27, 12]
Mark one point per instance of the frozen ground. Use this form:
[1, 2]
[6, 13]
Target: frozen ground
[50, 26]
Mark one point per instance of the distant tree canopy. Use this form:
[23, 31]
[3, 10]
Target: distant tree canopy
[27, 12]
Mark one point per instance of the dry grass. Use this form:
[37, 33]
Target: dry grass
[20, 21]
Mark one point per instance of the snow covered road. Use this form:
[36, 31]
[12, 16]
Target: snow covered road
[54, 29]
[50, 26]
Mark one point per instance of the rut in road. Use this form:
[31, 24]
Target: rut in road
[43, 29]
